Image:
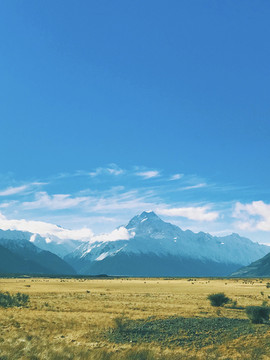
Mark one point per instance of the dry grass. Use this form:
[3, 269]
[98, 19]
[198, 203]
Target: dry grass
[67, 318]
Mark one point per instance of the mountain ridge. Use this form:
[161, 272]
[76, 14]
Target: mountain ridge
[145, 246]
[149, 237]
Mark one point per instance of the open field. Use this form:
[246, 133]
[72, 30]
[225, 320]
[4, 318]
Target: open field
[75, 319]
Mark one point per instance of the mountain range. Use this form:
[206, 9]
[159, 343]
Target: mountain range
[148, 246]
[157, 248]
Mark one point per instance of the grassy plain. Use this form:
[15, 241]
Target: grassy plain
[82, 319]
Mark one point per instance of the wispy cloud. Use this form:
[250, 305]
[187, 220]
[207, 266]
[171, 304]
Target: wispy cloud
[13, 190]
[148, 174]
[7, 204]
[80, 199]
[54, 202]
[130, 200]
[112, 169]
[176, 177]
[197, 186]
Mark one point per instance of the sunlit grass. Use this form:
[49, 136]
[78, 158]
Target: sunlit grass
[69, 318]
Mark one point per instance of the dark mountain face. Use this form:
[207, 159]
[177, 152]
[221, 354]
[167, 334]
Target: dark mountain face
[259, 268]
[155, 248]
[19, 255]
[11, 263]
[152, 265]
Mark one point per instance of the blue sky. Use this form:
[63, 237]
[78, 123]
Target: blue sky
[109, 108]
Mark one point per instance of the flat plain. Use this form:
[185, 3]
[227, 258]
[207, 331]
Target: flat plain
[136, 319]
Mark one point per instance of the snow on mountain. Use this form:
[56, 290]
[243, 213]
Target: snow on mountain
[18, 254]
[146, 246]
[148, 235]
[15, 239]
[54, 244]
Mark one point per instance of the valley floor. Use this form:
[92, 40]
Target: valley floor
[136, 319]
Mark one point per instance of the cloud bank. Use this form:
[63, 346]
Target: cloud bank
[45, 229]
[253, 216]
[200, 213]
[117, 234]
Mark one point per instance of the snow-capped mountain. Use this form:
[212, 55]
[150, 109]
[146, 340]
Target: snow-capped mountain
[19, 255]
[155, 248]
[54, 244]
[146, 246]
[13, 239]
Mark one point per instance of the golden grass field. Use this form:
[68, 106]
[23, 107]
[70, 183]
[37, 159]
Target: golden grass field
[67, 318]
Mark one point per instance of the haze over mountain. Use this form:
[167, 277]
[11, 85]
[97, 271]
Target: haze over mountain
[153, 247]
[259, 268]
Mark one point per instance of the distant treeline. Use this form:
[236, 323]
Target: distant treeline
[22, 276]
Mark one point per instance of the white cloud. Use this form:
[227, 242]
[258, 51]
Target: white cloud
[117, 234]
[200, 213]
[253, 216]
[13, 190]
[54, 202]
[47, 229]
[44, 229]
[148, 174]
[176, 177]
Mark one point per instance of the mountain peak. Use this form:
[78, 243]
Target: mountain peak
[139, 219]
[149, 215]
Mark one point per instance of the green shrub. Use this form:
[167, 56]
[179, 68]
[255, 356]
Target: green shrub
[181, 332]
[218, 299]
[258, 314]
[119, 323]
[8, 300]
